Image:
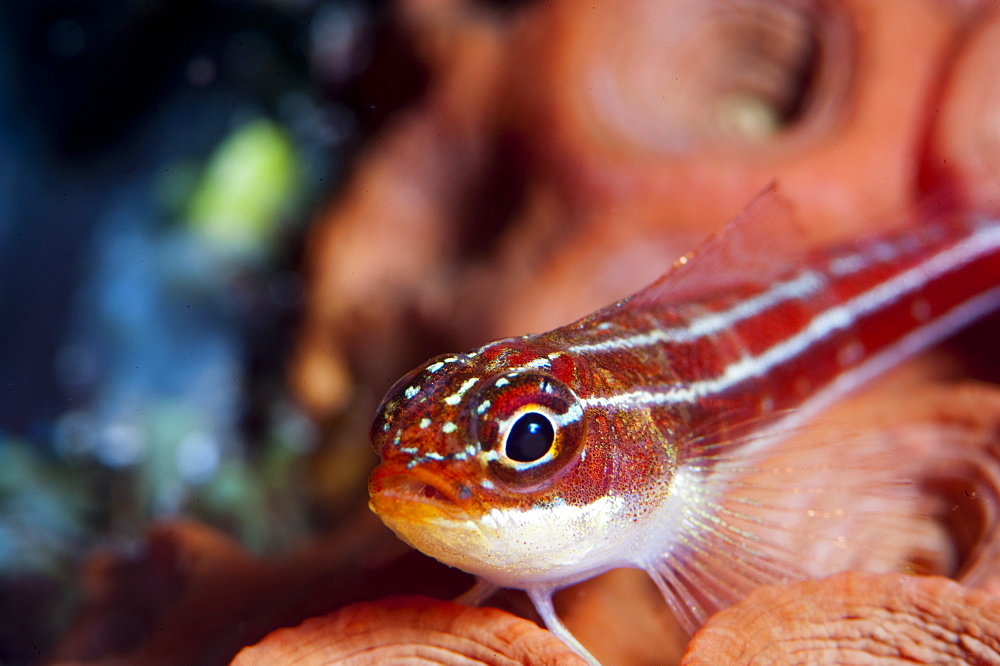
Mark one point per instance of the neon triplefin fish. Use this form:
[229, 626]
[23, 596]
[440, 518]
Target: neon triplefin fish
[540, 461]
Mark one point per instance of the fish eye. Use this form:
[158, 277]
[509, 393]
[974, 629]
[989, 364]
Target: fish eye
[530, 438]
[528, 426]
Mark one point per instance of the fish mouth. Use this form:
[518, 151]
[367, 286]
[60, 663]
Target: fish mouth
[414, 494]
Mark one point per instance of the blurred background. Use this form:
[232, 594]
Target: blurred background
[226, 226]
[159, 162]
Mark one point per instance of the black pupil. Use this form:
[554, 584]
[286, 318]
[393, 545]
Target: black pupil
[530, 438]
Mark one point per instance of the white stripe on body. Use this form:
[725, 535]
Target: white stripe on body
[805, 284]
[979, 243]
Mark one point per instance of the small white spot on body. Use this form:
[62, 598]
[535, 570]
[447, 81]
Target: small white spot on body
[847, 265]
[503, 381]
[424, 423]
[467, 384]
[884, 251]
[435, 367]
[449, 428]
[481, 409]
[411, 391]
[456, 397]
[850, 354]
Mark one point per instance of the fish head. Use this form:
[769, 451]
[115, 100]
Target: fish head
[486, 465]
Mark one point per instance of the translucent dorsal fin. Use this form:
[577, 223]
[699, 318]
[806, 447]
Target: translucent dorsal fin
[762, 242]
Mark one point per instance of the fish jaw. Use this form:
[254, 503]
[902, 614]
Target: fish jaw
[415, 495]
[511, 546]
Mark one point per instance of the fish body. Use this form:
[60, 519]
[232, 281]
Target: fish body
[539, 461]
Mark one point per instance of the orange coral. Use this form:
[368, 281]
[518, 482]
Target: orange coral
[855, 618]
[400, 628]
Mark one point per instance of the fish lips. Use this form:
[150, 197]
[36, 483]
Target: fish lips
[415, 494]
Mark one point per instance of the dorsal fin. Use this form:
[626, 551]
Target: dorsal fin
[763, 241]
